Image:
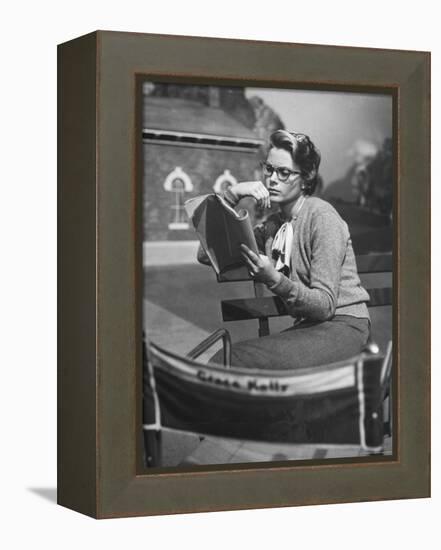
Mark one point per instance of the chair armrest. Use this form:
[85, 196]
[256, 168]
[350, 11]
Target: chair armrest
[210, 341]
[387, 364]
[371, 347]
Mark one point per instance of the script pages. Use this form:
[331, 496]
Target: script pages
[221, 231]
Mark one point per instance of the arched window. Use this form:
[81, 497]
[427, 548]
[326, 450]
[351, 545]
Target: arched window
[224, 181]
[178, 183]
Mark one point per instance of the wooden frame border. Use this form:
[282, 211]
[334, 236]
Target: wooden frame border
[99, 274]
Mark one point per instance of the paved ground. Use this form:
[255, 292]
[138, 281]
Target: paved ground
[190, 450]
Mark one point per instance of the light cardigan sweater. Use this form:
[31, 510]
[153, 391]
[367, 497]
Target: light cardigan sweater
[323, 281]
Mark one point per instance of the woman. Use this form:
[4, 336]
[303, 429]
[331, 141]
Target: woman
[307, 259]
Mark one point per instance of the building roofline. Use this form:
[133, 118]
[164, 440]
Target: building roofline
[170, 136]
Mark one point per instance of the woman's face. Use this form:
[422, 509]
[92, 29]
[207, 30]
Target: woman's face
[283, 192]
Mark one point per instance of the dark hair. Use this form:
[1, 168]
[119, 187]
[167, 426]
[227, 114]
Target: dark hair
[303, 152]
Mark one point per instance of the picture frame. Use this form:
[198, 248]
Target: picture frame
[100, 335]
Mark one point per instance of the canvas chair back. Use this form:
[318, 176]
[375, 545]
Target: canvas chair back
[339, 403]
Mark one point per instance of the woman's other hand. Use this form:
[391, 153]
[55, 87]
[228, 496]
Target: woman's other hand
[260, 267]
[255, 189]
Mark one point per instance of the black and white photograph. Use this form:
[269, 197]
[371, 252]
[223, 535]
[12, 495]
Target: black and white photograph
[267, 217]
[220, 239]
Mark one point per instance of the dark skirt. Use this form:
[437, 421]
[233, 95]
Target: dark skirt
[304, 345]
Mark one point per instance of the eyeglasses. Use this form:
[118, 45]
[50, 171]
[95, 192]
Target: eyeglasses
[283, 174]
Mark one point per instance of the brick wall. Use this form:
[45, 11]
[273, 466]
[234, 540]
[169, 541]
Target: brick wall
[203, 166]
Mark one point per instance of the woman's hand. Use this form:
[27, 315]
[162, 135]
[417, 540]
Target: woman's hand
[255, 189]
[260, 267]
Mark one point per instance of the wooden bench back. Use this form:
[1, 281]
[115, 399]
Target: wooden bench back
[263, 307]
